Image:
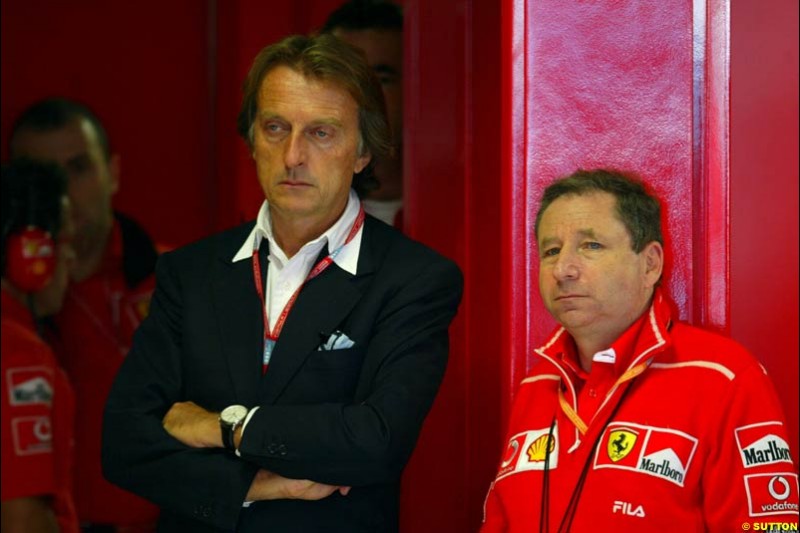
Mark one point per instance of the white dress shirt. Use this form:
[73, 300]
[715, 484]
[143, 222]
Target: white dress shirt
[286, 275]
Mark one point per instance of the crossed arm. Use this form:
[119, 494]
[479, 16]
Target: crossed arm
[198, 428]
[170, 451]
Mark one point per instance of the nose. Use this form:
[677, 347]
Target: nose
[294, 154]
[567, 266]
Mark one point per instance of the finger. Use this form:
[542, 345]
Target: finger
[344, 490]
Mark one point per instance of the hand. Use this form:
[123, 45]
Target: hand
[269, 486]
[304, 489]
[193, 425]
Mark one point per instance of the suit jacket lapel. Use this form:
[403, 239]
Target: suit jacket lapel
[320, 307]
[239, 317]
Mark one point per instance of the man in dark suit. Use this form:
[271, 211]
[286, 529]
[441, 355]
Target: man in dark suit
[285, 369]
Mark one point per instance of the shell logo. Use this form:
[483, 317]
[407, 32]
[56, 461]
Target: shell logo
[539, 448]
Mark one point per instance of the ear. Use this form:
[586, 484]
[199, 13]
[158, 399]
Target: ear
[653, 256]
[113, 171]
[361, 162]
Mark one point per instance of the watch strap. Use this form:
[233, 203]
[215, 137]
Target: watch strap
[227, 434]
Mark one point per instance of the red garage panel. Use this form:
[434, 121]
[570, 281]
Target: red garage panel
[764, 191]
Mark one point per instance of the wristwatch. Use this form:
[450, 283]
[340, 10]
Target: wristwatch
[229, 419]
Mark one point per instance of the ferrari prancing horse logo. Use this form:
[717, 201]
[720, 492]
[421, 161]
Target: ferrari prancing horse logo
[620, 443]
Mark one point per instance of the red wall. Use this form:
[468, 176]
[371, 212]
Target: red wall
[452, 198]
[764, 191]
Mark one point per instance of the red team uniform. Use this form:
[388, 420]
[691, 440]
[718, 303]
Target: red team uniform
[38, 412]
[95, 326]
[674, 429]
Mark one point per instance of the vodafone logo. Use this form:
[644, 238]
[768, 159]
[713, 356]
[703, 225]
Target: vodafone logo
[779, 488]
[32, 435]
[773, 493]
[42, 430]
[511, 453]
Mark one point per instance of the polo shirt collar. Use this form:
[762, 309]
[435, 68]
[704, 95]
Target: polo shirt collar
[333, 237]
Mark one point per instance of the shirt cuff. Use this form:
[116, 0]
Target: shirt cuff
[244, 427]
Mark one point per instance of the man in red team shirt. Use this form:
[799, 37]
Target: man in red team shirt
[37, 400]
[111, 287]
[633, 421]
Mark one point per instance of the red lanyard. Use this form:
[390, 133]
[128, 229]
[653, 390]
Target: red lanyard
[271, 337]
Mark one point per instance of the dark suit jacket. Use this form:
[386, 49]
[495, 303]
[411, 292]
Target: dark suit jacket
[345, 417]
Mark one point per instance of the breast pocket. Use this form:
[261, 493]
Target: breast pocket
[329, 375]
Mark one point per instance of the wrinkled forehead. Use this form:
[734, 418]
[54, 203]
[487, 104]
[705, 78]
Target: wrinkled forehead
[324, 79]
[584, 210]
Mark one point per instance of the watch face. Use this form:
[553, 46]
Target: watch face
[233, 414]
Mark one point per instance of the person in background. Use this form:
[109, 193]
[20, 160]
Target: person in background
[376, 27]
[112, 282]
[283, 374]
[632, 420]
[36, 396]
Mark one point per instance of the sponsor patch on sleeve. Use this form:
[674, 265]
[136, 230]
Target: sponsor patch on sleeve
[528, 451]
[30, 385]
[659, 452]
[32, 435]
[762, 444]
[771, 494]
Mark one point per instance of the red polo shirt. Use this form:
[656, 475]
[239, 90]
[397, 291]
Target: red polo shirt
[95, 327]
[37, 417]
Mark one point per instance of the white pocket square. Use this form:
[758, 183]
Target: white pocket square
[337, 341]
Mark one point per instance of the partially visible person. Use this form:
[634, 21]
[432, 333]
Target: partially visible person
[37, 400]
[633, 421]
[112, 282]
[376, 27]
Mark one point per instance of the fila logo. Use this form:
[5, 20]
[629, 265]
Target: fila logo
[762, 444]
[30, 385]
[626, 508]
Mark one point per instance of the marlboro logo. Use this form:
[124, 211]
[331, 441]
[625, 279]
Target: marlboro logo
[763, 444]
[30, 385]
[660, 452]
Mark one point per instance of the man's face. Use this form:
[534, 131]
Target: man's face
[305, 145]
[93, 180]
[48, 301]
[384, 51]
[591, 280]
